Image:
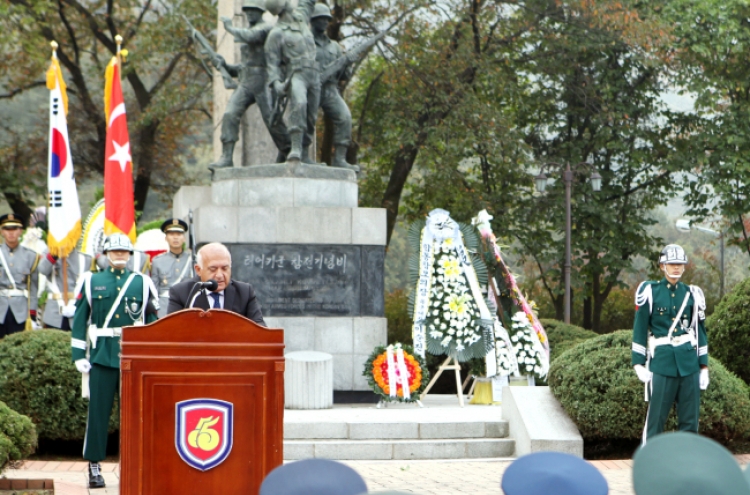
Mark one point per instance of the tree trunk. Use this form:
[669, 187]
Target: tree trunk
[587, 312]
[19, 206]
[559, 303]
[143, 163]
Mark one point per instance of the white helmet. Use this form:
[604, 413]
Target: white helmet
[118, 242]
[673, 255]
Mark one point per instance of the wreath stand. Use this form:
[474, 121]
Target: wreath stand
[444, 367]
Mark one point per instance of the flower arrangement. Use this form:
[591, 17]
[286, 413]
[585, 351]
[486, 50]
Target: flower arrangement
[530, 354]
[495, 260]
[453, 324]
[505, 355]
[383, 370]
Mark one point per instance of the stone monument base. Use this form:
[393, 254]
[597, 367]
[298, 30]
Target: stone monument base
[314, 257]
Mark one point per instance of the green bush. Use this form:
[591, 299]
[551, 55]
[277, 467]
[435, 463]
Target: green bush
[39, 380]
[729, 331]
[599, 390]
[17, 436]
[563, 336]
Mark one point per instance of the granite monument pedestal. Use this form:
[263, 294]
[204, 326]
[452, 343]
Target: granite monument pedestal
[315, 259]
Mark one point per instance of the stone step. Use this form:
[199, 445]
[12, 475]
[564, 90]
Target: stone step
[397, 430]
[347, 450]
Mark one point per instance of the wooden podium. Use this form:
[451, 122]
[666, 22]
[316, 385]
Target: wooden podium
[202, 404]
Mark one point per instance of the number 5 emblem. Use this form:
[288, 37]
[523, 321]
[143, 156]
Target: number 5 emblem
[203, 432]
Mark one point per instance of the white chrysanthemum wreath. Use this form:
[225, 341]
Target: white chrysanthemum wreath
[529, 352]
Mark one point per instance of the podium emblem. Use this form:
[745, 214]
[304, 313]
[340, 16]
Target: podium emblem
[203, 432]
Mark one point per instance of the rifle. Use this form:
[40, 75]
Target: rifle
[191, 235]
[216, 59]
[349, 57]
[280, 102]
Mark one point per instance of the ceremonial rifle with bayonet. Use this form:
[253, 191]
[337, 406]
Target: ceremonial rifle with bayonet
[216, 59]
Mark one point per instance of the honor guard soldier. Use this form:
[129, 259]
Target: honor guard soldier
[56, 313]
[18, 278]
[108, 301]
[670, 347]
[175, 265]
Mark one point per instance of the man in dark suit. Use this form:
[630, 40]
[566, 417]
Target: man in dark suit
[214, 262]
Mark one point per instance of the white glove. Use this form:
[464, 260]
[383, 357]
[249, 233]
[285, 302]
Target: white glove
[703, 379]
[69, 311]
[35, 325]
[644, 375]
[83, 365]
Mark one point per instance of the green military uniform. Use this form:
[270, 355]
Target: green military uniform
[98, 295]
[674, 361]
[168, 269]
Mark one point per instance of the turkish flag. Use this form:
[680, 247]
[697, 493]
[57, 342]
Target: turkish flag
[119, 203]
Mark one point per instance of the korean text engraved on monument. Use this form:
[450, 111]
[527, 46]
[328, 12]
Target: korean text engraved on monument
[294, 280]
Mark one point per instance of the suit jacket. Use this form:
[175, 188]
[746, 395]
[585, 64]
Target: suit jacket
[239, 297]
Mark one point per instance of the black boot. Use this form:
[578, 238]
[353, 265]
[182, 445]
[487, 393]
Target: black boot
[96, 480]
[227, 150]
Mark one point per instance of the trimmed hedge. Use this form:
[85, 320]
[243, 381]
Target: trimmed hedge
[599, 390]
[563, 336]
[38, 379]
[729, 331]
[17, 436]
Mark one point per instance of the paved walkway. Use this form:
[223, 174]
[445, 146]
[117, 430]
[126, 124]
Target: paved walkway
[421, 477]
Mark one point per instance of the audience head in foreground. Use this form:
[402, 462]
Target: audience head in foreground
[547, 473]
[680, 463]
[313, 477]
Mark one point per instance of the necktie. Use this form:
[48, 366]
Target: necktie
[217, 301]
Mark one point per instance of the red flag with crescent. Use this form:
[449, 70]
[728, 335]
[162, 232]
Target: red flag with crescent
[119, 210]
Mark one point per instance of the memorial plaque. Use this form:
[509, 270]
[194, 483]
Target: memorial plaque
[312, 280]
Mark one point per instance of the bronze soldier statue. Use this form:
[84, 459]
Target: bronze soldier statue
[292, 73]
[252, 84]
[333, 105]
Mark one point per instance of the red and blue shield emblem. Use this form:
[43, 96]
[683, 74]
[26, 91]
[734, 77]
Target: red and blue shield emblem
[203, 431]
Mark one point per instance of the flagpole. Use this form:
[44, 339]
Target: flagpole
[118, 40]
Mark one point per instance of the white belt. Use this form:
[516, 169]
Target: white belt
[654, 342]
[96, 332]
[14, 293]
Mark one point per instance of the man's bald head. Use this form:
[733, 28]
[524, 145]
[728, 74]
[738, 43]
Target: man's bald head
[214, 262]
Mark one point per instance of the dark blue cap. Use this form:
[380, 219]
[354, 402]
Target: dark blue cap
[680, 462]
[313, 477]
[552, 473]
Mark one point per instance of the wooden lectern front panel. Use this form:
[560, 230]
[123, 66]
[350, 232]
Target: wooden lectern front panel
[205, 418]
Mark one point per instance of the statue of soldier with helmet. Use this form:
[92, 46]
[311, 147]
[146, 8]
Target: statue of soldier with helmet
[670, 345]
[293, 73]
[333, 105]
[251, 88]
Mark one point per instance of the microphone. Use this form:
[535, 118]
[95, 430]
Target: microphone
[211, 285]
